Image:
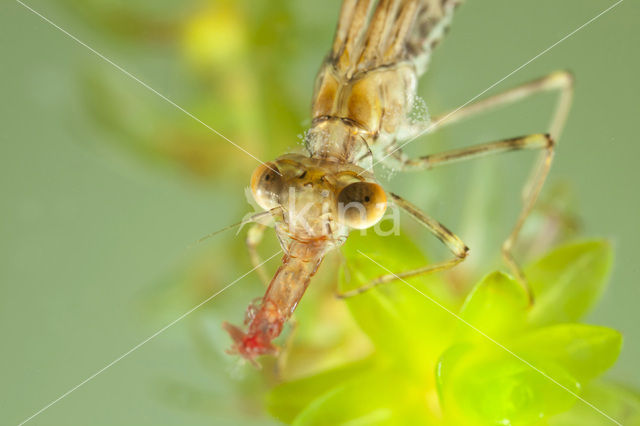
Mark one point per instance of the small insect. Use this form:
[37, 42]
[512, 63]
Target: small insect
[363, 96]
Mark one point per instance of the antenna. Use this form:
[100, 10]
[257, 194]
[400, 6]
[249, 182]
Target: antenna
[253, 218]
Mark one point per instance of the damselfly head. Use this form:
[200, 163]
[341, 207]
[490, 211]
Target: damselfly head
[318, 198]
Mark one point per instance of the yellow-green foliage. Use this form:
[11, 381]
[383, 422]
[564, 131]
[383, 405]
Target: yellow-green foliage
[430, 367]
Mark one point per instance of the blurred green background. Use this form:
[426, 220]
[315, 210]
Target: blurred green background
[105, 186]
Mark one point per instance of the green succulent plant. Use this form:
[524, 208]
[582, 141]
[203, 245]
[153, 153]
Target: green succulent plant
[492, 359]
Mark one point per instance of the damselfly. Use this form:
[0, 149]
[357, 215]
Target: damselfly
[363, 96]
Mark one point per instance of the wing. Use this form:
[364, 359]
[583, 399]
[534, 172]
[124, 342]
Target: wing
[394, 31]
[380, 48]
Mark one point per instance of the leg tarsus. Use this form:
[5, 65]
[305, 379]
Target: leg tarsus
[253, 239]
[517, 271]
[451, 240]
[387, 278]
[561, 81]
[530, 193]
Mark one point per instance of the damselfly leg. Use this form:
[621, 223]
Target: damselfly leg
[559, 81]
[253, 240]
[452, 241]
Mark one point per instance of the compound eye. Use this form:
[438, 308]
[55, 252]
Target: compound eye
[361, 204]
[266, 183]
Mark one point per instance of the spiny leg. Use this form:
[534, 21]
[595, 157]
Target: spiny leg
[453, 243]
[535, 141]
[532, 190]
[253, 239]
[531, 142]
[561, 81]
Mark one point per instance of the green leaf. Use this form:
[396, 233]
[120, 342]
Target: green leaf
[568, 281]
[361, 400]
[497, 306]
[585, 351]
[287, 400]
[617, 402]
[378, 397]
[482, 385]
[399, 319]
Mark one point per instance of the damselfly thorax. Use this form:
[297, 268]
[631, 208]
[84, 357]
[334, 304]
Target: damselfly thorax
[362, 100]
[366, 87]
[360, 115]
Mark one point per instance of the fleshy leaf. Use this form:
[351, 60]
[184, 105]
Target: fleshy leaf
[287, 400]
[585, 351]
[378, 397]
[398, 319]
[360, 400]
[497, 306]
[568, 281]
[617, 402]
[481, 385]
